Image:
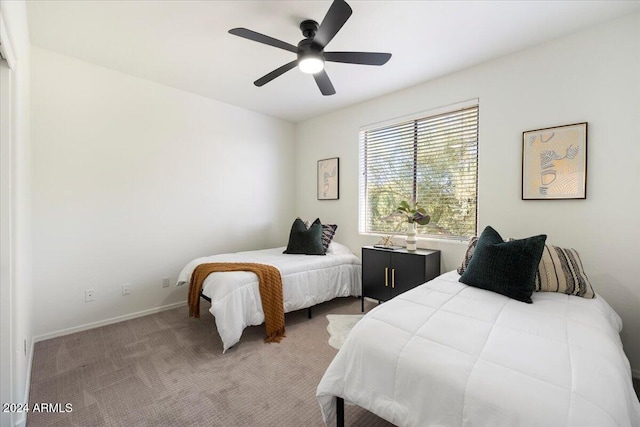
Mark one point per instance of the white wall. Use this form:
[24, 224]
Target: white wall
[592, 76]
[132, 179]
[17, 311]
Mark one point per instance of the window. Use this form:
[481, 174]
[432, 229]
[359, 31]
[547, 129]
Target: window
[432, 159]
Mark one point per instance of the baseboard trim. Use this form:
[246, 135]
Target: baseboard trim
[106, 322]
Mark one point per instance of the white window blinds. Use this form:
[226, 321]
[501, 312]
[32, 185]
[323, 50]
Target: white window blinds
[432, 160]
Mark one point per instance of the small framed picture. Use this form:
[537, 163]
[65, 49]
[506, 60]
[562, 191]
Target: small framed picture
[554, 163]
[329, 179]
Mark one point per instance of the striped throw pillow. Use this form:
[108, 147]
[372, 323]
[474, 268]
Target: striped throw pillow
[328, 231]
[468, 254]
[561, 270]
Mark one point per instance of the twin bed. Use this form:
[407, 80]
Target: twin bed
[306, 281]
[448, 354]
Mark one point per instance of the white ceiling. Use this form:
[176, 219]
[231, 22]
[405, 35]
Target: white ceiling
[185, 44]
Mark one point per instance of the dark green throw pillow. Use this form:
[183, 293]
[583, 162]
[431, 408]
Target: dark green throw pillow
[508, 268]
[303, 241]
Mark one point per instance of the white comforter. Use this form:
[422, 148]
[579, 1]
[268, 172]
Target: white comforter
[446, 354]
[306, 281]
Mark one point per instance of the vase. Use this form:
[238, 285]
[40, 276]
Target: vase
[411, 236]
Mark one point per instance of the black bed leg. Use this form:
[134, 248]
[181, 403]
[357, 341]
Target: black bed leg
[309, 312]
[339, 412]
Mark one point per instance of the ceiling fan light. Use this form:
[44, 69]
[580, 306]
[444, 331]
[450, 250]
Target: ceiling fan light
[311, 65]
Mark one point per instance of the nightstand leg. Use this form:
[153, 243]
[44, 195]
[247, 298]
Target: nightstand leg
[362, 302]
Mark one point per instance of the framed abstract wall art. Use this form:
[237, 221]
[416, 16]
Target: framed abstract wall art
[554, 163]
[328, 179]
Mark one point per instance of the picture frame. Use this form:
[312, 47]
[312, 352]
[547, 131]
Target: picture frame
[329, 179]
[554, 163]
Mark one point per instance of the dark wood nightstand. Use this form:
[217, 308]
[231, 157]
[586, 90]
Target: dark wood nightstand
[387, 273]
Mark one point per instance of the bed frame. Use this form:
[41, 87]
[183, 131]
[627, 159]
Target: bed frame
[203, 296]
[339, 412]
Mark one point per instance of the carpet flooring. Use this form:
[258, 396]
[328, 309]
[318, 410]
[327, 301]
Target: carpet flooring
[167, 369]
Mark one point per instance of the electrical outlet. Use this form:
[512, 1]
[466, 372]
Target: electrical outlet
[165, 282]
[125, 289]
[89, 295]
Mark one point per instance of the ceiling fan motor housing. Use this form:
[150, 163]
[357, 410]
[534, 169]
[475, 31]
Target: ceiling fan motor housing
[307, 47]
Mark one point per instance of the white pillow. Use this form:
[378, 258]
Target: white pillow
[336, 248]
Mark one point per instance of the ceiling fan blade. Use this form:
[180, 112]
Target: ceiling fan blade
[261, 38]
[364, 58]
[275, 73]
[335, 18]
[322, 79]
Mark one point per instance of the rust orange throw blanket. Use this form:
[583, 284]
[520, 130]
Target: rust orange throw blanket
[269, 285]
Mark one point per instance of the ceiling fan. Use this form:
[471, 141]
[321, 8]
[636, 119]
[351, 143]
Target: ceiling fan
[310, 50]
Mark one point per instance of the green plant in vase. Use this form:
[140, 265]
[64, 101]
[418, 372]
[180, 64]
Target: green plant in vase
[412, 214]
